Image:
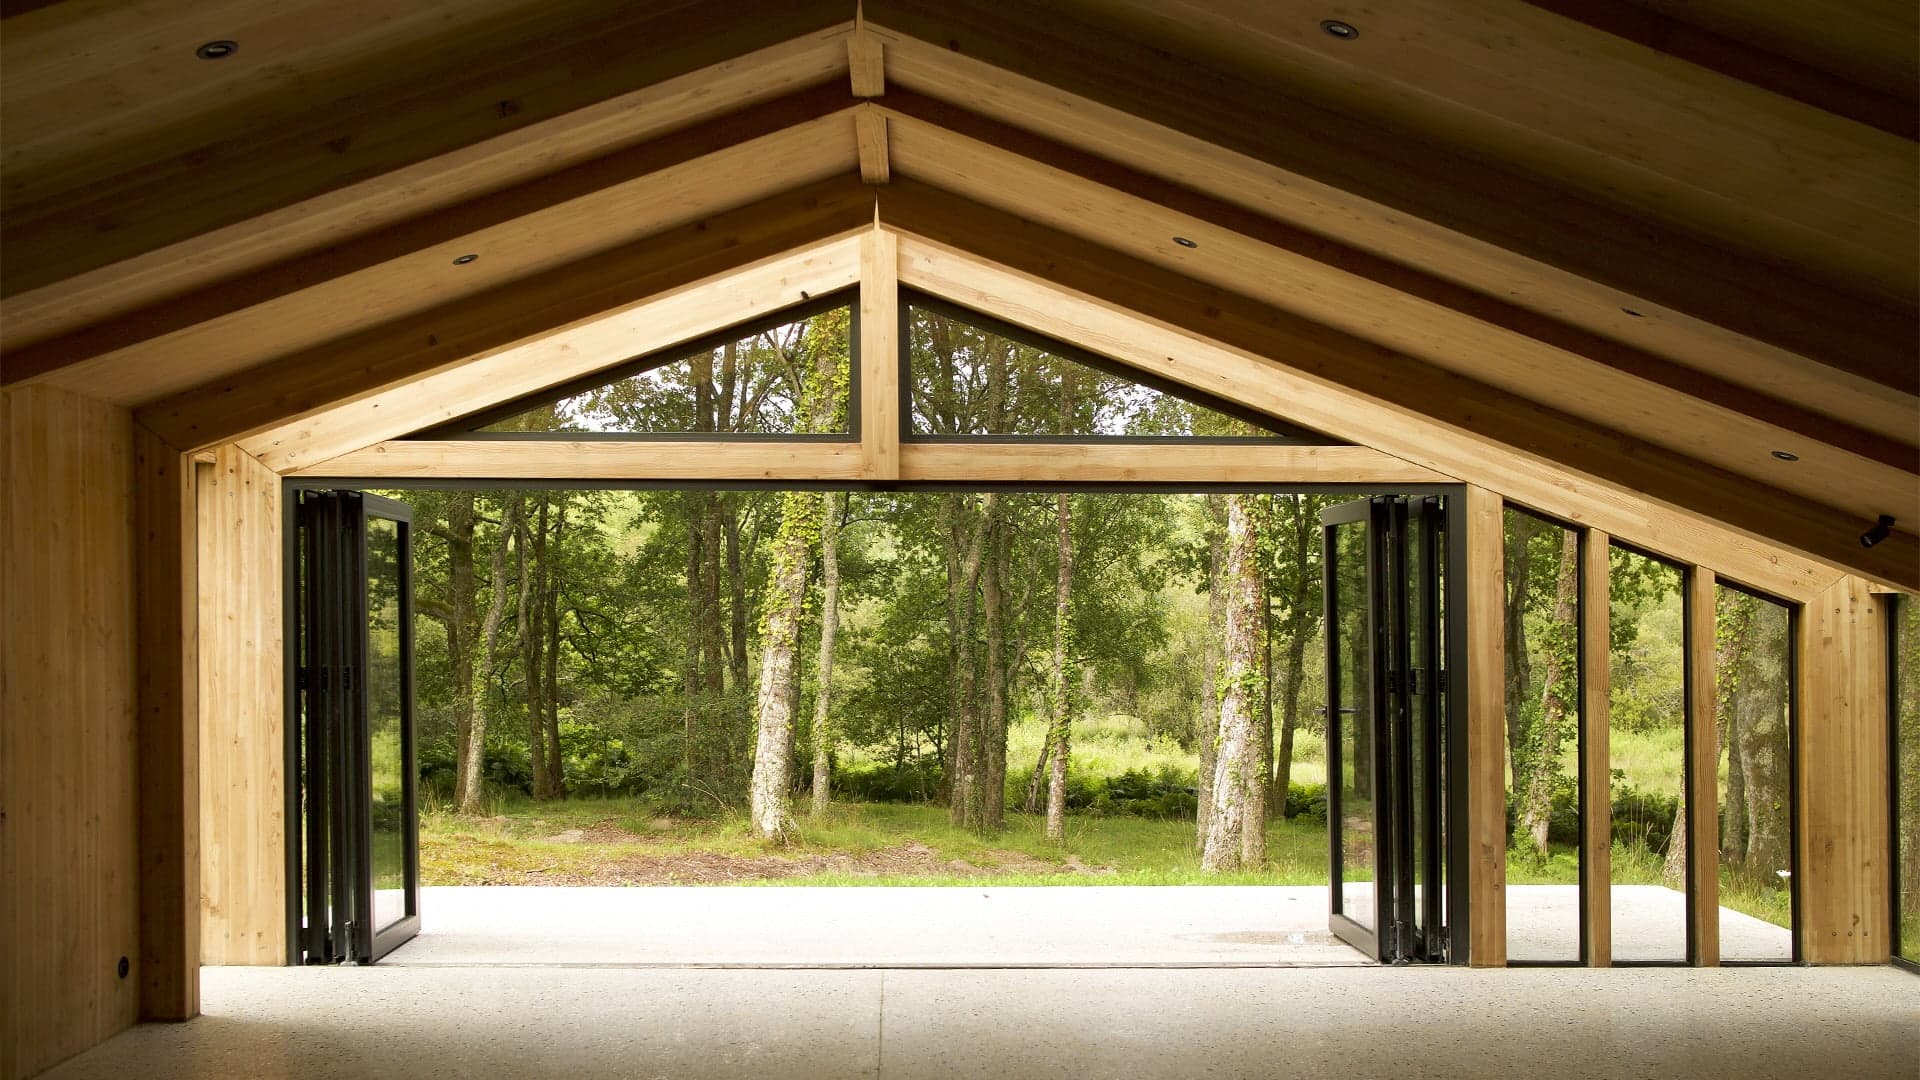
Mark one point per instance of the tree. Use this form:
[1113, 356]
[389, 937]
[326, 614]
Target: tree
[1059, 741]
[830, 506]
[1237, 772]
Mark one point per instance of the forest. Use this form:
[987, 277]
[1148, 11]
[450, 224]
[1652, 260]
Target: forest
[1022, 680]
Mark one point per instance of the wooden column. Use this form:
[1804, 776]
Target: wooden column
[1596, 716]
[880, 355]
[1486, 729]
[169, 723]
[1845, 884]
[242, 806]
[1703, 757]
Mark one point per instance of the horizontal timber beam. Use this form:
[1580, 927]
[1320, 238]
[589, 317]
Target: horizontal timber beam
[513, 314]
[1327, 380]
[1363, 168]
[724, 161]
[214, 196]
[815, 462]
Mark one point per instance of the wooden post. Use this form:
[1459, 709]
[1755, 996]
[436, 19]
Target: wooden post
[1486, 729]
[1596, 717]
[879, 355]
[1703, 773]
[1841, 647]
[169, 727]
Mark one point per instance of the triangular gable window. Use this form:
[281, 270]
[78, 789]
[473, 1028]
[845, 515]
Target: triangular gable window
[789, 375]
[968, 375]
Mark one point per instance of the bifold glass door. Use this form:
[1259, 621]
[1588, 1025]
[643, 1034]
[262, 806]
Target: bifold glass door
[356, 845]
[1386, 726]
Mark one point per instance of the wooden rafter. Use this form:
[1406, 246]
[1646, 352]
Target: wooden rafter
[1219, 342]
[501, 318]
[1352, 177]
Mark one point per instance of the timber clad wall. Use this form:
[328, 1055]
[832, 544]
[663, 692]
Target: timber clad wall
[242, 808]
[68, 807]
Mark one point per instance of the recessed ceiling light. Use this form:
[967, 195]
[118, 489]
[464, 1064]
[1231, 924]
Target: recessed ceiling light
[1786, 455]
[217, 50]
[1184, 242]
[1630, 311]
[464, 260]
[1345, 31]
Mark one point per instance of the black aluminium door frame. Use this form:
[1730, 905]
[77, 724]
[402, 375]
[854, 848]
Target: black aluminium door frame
[1365, 514]
[330, 863]
[1450, 642]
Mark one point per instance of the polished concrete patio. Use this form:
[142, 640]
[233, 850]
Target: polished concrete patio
[577, 1023]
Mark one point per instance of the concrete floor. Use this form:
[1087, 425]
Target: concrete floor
[573, 1023]
[892, 927]
[1649, 923]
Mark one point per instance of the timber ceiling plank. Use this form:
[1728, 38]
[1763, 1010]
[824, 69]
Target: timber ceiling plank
[1389, 191]
[272, 394]
[549, 221]
[1711, 419]
[1874, 42]
[1378, 373]
[219, 202]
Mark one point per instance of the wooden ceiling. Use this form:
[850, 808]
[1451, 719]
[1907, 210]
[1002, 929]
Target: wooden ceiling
[1652, 242]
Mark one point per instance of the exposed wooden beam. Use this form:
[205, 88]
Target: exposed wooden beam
[1663, 32]
[1841, 660]
[1486, 722]
[169, 729]
[1355, 178]
[1596, 730]
[1534, 455]
[1703, 771]
[373, 277]
[880, 345]
[796, 461]
[659, 322]
[1715, 419]
[870, 133]
[209, 200]
[866, 64]
[271, 395]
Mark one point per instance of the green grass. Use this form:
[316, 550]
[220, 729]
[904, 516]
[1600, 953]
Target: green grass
[518, 844]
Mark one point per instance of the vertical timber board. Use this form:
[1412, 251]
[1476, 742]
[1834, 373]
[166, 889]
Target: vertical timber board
[69, 873]
[1596, 719]
[1703, 769]
[1844, 844]
[1486, 729]
[242, 808]
[169, 785]
[880, 357]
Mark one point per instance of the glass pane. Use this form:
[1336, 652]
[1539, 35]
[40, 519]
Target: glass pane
[1543, 740]
[385, 713]
[1419, 684]
[1354, 722]
[1647, 760]
[790, 379]
[969, 380]
[1754, 715]
[1906, 766]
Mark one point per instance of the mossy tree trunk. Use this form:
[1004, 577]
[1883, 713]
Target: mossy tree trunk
[1237, 771]
[1059, 742]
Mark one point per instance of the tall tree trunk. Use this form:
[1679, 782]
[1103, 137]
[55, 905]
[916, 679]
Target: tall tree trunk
[1237, 772]
[556, 771]
[1299, 627]
[992, 784]
[1058, 748]
[473, 754]
[1207, 736]
[736, 591]
[967, 540]
[1253, 827]
[771, 792]
[691, 680]
[1519, 571]
[1534, 768]
[527, 609]
[1733, 697]
[829, 628]
[459, 617]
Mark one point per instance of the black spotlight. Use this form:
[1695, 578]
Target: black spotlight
[1879, 532]
[1345, 31]
[1184, 242]
[464, 260]
[217, 50]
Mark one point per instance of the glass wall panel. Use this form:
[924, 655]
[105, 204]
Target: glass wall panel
[788, 379]
[1354, 724]
[1543, 740]
[1753, 694]
[1647, 759]
[386, 708]
[1906, 776]
[969, 376]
